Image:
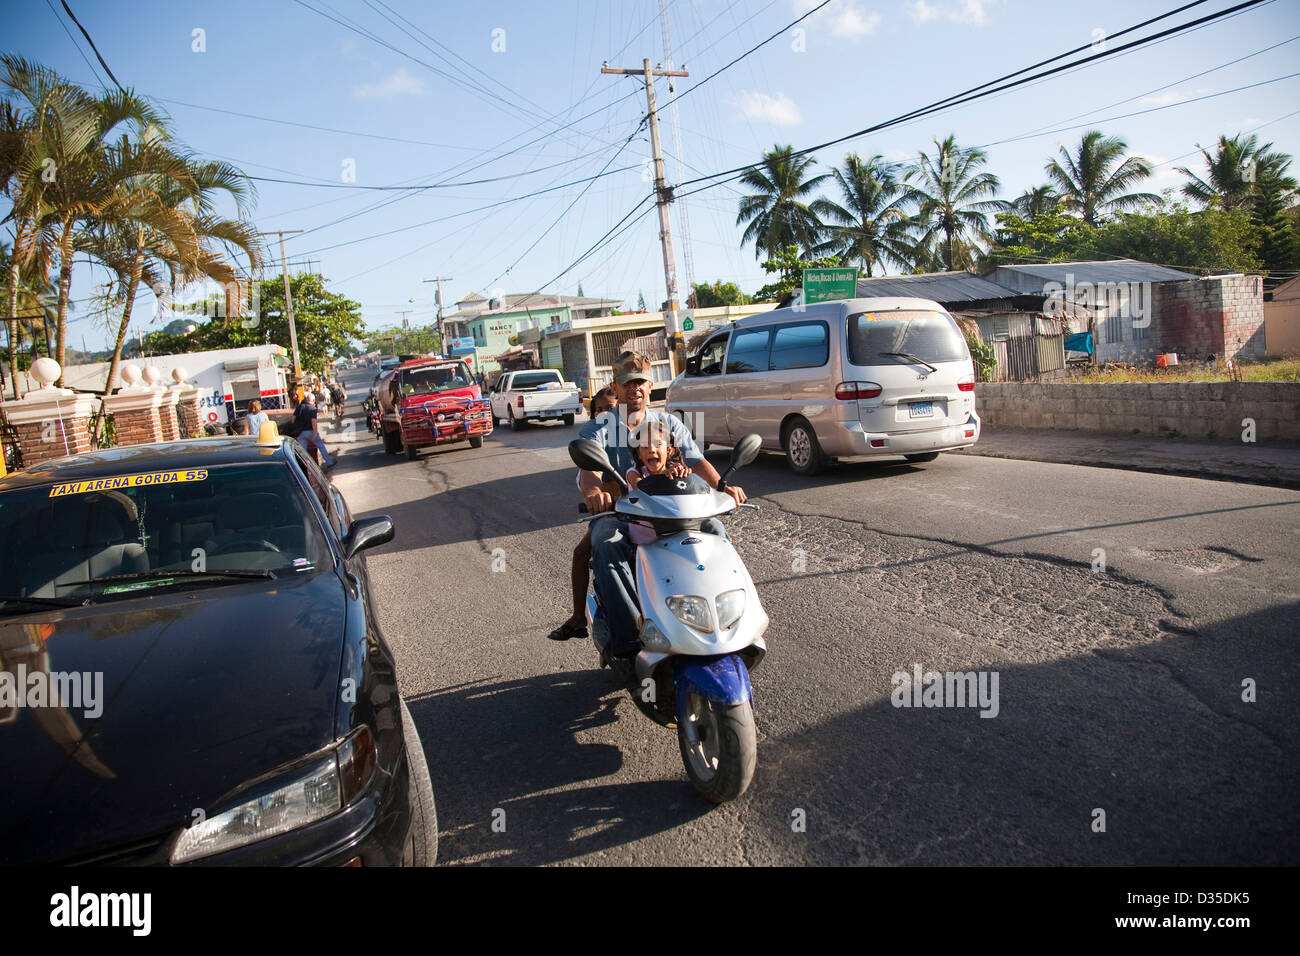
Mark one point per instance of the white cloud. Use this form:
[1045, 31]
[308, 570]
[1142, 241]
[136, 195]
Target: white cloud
[779, 110]
[400, 83]
[844, 17]
[975, 12]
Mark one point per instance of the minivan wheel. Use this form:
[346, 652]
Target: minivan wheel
[925, 456]
[801, 448]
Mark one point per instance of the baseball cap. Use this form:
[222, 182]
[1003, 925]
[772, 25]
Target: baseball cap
[630, 366]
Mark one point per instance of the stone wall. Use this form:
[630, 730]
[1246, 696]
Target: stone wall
[1190, 409]
[1221, 316]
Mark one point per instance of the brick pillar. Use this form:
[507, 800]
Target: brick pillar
[171, 426]
[136, 416]
[50, 422]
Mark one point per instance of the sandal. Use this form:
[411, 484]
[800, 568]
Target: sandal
[566, 631]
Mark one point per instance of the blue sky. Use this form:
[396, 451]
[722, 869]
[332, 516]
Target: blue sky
[535, 72]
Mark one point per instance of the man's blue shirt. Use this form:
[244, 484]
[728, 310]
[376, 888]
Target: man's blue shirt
[608, 429]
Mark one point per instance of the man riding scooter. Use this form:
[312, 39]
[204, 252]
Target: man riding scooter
[611, 546]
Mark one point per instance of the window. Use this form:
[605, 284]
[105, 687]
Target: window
[749, 351]
[711, 355]
[930, 336]
[1001, 329]
[806, 345]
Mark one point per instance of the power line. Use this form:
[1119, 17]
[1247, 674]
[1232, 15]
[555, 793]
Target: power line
[91, 42]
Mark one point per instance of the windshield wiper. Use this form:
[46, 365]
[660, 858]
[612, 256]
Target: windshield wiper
[915, 358]
[159, 574]
[45, 601]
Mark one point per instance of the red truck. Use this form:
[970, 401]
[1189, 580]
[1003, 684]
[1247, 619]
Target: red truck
[432, 401]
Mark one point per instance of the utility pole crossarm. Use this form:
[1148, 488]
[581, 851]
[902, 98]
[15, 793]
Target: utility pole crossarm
[640, 71]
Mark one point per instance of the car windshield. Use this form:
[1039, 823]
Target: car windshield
[116, 536]
[422, 381]
[882, 338]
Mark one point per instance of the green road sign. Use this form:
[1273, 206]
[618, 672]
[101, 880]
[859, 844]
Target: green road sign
[688, 325]
[823, 285]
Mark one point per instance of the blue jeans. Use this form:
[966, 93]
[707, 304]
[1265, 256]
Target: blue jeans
[612, 553]
[308, 439]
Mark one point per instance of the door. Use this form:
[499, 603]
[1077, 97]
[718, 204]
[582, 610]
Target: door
[701, 394]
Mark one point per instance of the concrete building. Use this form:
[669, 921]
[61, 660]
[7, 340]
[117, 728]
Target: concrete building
[1282, 319]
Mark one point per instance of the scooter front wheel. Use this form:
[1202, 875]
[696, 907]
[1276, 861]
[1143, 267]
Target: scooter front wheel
[719, 747]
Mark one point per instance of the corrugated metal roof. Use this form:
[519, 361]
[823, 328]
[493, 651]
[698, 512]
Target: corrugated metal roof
[942, 287]
[1115, 270]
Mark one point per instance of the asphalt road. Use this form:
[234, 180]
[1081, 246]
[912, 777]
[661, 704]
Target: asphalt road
[1119, 690]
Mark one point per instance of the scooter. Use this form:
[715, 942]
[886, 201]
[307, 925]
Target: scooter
[701, 625]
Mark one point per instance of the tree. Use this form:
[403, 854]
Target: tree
[1048, 237]
[1037, 201]
[778, 215]
[1095, 180]
[871, 225]
[953, 198]
[640, 301]
[718, 294]
[789, 264]
[326, 323]
[1239, 163]
[579, 290]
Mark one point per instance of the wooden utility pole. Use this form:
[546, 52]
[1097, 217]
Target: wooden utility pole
[288, 308]
[442, 346]
[663, 196]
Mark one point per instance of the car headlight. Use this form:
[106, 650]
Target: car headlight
[693, 611]
[323, 788]
[653, 639]
[731, 605]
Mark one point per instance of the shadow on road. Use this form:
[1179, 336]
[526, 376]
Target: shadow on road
[508, 745]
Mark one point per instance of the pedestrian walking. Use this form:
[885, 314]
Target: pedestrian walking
[304, 416]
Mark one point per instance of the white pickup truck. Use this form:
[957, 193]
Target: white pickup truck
[533, 396]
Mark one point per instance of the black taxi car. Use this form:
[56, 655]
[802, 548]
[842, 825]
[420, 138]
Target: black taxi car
[191, 671]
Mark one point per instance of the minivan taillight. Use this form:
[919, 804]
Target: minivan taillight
[851, 391]
[966, 386]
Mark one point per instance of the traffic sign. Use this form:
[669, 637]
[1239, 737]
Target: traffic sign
[688, 324]
[824, 285]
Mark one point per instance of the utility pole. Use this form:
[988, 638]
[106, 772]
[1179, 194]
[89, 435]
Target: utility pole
[442, 346]
[288, 308]
[406, 328]
[663, 196]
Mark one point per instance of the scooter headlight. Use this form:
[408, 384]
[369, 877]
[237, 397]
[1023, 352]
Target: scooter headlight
[731, 605]
[693, 611]
[653, 639]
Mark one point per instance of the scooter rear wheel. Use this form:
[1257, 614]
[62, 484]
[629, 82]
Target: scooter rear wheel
[719, 747]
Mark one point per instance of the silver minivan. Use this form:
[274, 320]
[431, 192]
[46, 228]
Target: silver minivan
[847, 379]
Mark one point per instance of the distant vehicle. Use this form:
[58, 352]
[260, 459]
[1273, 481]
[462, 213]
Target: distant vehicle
[217, 590]
[851, 378]
[431, 401]
[534, 396]
[389, 361]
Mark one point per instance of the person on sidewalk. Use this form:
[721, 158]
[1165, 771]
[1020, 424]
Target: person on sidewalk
[305, 418]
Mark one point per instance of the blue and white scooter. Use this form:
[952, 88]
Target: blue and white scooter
[701, 625]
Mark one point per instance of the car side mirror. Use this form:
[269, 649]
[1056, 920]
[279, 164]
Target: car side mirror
[367, 533]
[693, 365]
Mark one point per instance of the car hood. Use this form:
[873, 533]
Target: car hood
[201, 691]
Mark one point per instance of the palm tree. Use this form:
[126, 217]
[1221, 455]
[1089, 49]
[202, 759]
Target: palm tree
[872, 226]
[778, 214]
[1095, 180]
[168, 225]
[953, 199]
[1238, 166]
[1036, 201]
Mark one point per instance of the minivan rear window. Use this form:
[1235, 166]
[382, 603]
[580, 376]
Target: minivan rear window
[929, 336]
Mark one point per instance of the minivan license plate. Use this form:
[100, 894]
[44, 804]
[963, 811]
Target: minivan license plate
[922, 409]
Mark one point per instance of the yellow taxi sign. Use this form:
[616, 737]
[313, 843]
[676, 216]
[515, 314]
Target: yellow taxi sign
[128, 481]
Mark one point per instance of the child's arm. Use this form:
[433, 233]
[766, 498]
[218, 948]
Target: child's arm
[633, 478]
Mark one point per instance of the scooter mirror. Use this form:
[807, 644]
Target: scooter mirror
[745, 451]
[589, 455]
